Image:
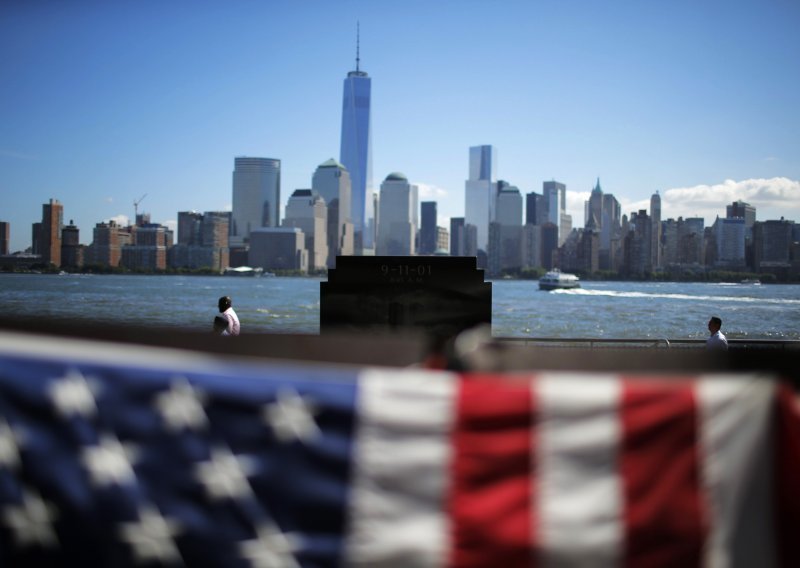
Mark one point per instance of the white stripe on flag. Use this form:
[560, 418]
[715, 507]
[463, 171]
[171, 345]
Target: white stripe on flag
[580, 517]
[735, 431]
[401, 469]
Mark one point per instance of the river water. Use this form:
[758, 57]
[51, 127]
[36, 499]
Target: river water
[627, 310]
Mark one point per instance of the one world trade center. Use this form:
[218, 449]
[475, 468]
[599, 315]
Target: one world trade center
[356, 155]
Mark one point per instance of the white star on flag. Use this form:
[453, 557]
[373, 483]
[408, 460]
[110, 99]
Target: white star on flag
[109, 462]
[72, 394]
[152, 537]
[225, 474]
[291, 417]
[271, 548]
[10, 442]
[182, 406]
[32, 521]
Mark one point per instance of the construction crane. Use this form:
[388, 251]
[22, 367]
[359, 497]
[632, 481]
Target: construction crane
[136, 203]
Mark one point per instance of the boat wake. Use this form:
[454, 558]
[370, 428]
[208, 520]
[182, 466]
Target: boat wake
[616, 294]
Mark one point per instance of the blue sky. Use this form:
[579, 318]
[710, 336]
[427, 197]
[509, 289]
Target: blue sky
[103, 102]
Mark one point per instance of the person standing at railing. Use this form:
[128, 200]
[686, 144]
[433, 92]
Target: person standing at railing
[716, 340]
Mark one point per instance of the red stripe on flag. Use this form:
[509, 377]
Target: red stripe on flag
[490, 505]
[661, 475]
[787, 476]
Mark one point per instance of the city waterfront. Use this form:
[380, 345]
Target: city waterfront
[601, 310]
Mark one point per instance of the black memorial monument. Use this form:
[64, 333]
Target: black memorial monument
[439, 295]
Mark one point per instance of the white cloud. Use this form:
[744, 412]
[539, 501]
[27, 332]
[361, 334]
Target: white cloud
[771, 198]
[428, 191]
[228, 207]
[122, 220]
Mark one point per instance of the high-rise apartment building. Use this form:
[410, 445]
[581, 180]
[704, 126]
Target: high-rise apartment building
[399, 203]
[256, 196]
[331, 181]
[428, 239]
[203, 240]
[5, 236]
[107, 242]
[50, 232]
[480, 190]
[356, 155]
[71, 249]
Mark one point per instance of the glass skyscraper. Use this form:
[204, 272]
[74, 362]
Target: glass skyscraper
[479, 193]
[256, 197]
[356, 156]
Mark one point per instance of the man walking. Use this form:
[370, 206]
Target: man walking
[716, 340]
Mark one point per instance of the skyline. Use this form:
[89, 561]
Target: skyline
[110, 102]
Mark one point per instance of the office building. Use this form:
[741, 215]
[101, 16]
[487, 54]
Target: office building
[655, 236]
[729, 242]
[533, 205]
[428, 238]
[554, 197]
[356, 155]
[742, 210]
[772, 244]
[399, 203]
[457, 244]
[442, 241]
[637, 242]
[479, 192]
[307, 211]
[281, 248]
[5, 237]
[256, 197]
[331, 181]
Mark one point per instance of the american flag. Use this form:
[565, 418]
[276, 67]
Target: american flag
[133, 456]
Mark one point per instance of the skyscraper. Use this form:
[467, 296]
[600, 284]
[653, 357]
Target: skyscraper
[398, 205]
[256, 196]
[479, 191]
[307, 211]
[356, 154]
[554, 196]
[427, 231]
[331, 181]
[4, 237]
[50, 232]
[655, 236]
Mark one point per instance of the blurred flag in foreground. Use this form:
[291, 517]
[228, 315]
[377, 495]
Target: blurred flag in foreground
[128, 456]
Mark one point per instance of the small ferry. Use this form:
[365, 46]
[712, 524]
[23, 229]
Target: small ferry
[557, 280]
[244, 271]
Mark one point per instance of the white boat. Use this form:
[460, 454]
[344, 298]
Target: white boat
[557, 280]
[244, 271]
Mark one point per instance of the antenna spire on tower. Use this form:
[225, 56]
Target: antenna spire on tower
[358, 43]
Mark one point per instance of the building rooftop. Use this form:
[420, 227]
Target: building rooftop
[396, 176]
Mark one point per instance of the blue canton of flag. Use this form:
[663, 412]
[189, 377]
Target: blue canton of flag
[129, 462]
